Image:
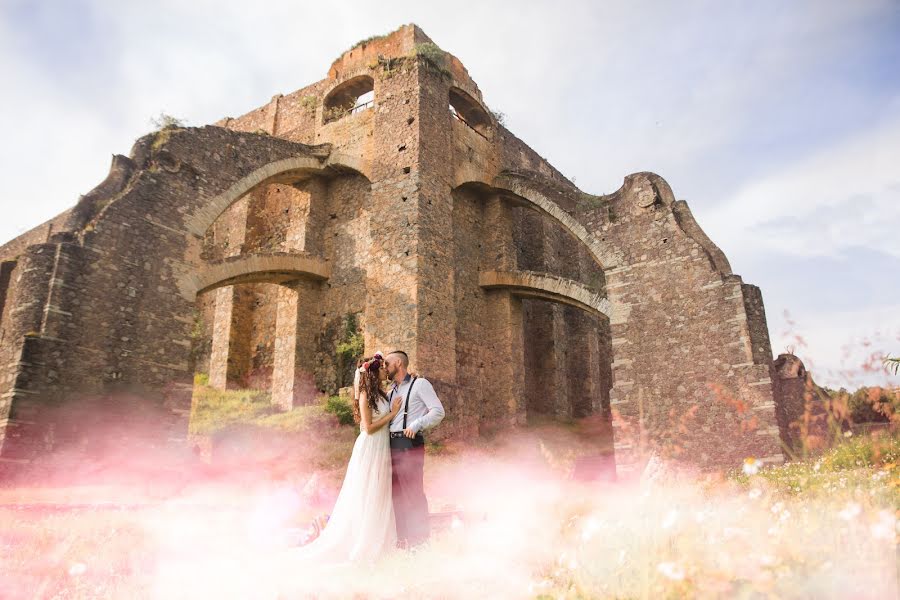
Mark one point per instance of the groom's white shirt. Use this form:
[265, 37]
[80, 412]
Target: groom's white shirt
[425, 409]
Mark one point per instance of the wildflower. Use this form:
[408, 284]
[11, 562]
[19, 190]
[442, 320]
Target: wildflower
[77, 569]
[777, 507]
[590, 528]
[755, 493]
[848, 433]
[671, 570]
[751, 466]
[670, 519]
[850, 512]
[885, 527]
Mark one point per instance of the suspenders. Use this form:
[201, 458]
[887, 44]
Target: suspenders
[406, 405]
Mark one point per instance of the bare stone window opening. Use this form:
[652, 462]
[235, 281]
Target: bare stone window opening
[468, 111]
[353, 96]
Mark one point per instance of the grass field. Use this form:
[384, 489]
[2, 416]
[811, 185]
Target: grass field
[824, 527]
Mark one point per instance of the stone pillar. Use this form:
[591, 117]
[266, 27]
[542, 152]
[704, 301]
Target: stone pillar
[293, 380]
[562, 405]
[540, 357]
[498, 251]
[225, 297]
[594, 359]
[307, 217]
[505, 386]
[221, 338]
[285, 348]
[582, 368]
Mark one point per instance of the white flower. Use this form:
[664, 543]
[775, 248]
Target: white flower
[671, 570]
[755, 493]
[590, 528]
[751, 466]
[885, 528]
[767, 560]
[670, 519]
[850, 512]
[848, 433]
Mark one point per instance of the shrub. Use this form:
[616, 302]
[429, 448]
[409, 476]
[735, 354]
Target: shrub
[432, 55]
[164, 121]
[873, 405]
[340, 408]
[348, 347]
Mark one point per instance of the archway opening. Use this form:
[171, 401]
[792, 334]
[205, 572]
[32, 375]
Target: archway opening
[540, 343]
[350, 97]
[468, 111]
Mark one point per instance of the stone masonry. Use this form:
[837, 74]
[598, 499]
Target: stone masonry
[384, 201]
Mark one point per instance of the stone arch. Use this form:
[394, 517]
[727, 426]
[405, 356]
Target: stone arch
[529, 284]
[606, 257]
[243, 301]
[468, 110]
[279, 171]
[343, 98]
[258, 268]
[526, 311]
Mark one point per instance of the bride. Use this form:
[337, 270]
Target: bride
[361, 526]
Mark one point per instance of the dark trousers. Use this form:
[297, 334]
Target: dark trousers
[410, 505]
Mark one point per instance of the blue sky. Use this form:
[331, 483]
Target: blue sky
[778, 122]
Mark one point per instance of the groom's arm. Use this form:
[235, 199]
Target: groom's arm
[432, 403]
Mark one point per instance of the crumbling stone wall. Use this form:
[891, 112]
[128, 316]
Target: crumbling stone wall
[250, 245]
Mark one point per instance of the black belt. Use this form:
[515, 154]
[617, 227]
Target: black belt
[399, 441]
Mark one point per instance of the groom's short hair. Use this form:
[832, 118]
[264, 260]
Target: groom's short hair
[404, 357]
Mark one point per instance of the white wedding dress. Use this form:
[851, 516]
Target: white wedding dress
[361, 526]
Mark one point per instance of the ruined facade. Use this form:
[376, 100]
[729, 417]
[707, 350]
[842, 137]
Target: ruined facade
[384, 201]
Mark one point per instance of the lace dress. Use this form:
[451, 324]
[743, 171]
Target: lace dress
[361, 526]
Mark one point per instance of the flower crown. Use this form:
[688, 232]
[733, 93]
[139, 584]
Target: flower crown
[375, 363]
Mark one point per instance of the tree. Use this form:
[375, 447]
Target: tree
[873, 405]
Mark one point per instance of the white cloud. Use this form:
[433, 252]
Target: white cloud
[844, 196]
[714, 96]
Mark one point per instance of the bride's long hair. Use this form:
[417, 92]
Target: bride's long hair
[369, 380]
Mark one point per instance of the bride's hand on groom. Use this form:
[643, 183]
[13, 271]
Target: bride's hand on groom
[395, 405]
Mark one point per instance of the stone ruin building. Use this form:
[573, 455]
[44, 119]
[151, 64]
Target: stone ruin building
[385, 205]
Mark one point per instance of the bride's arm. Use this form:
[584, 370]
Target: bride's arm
[365, 413]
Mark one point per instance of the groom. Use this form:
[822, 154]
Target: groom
[419, 411]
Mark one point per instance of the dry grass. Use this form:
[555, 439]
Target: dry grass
[529, 531]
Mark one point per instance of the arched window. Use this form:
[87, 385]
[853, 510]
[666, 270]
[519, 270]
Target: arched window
[353, 96]
[466, 109]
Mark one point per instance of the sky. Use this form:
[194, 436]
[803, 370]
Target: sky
[778, 122]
